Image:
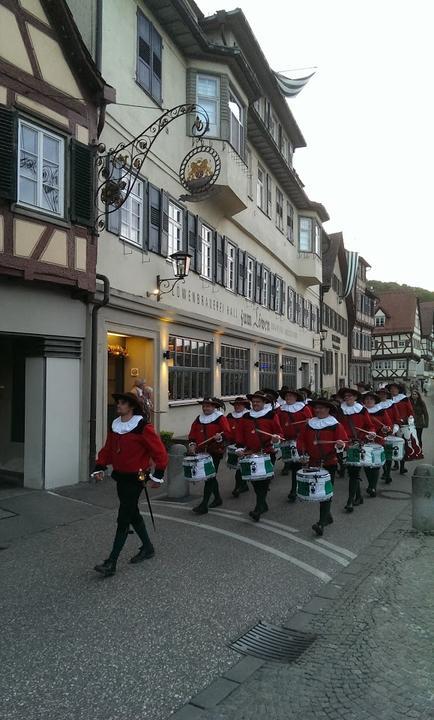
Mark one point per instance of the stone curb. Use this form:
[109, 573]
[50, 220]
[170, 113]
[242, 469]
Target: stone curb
[348, 579]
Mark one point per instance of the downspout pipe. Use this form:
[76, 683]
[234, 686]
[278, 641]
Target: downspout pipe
[98, 35]
[97, 305]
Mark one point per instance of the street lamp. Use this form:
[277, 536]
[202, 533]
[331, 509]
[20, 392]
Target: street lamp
[181, 262]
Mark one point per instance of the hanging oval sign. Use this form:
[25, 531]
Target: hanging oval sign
[200, 169]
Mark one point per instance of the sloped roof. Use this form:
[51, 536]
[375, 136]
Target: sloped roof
[426, 317]
[400, 309]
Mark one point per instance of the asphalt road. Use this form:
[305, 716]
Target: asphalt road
[140, 644]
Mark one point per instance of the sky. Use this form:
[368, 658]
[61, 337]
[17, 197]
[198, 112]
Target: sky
[367, 116]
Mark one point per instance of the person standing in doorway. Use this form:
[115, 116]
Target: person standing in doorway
[136, 453]
[138, 390]
[420, 414]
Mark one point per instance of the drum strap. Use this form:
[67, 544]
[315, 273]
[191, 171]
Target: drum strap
[261, 441]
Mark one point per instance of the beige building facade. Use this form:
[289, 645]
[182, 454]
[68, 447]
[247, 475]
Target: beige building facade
[247, 315]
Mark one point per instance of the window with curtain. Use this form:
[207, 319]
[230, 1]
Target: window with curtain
[41, 181]
[208, 97]
[305, 234]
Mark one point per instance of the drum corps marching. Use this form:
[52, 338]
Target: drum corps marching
[358, 430]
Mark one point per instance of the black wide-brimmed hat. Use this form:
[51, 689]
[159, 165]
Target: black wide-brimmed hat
[324, 402]
[132, 400]
[241, 401]
[262, 395]
[212, 401]
[399, 385]
[272, 393]
[348, 391]
[286, 391]
[372, 394]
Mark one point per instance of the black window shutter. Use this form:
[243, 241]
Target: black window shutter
[258, 284]
[164, 224]
[225, 261]
[218, 264]
[190, 238]
[272, 292]
[154, 218]
[82, 183]
[8, 154]
[241, 272]
[113, 217]
[198, 259]
[282, 308]
[156, 65]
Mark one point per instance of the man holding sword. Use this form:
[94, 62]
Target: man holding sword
[136, 454]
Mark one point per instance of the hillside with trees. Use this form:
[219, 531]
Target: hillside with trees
[378, 286]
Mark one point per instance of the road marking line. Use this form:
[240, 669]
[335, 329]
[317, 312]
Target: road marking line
[267, 548]
[237, 513]
[338, 548]
[82, 502]
[271, 527]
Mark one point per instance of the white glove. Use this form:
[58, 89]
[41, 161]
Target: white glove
[240, 451]
[98, 475]
[395, 429]
[219, 437]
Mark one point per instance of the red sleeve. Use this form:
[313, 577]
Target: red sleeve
[105, 454]
[277, 428]
[387, 418]
[193, 435]
[302, 439]
[155, 447]
[225, 428]
[341, 433]
[369, 425]
[239, 432]
[307, 412]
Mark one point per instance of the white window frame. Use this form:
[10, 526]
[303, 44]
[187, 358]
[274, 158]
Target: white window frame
[214, 129]
[126, 209]
[41, 132]
[380, 320]
[280, 202]
[230, 267]
[250, 277]
[317, 239]
[236, 139]
[206, 252]
[174, 244]
[278, 296]
[265, 287]
[261, 188]
[301, 220]
[249, 159]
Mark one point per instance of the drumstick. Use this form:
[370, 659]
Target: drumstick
[206, 441]
[369, 432]
[270, 434]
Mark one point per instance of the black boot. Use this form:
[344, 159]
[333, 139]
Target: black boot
[292, 497]
[402, 469]
[202, 508]
[144, 554]
[107, 568]
[318, 529]
[286, 469]
[217, 497]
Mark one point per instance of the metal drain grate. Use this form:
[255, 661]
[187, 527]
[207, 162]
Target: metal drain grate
[269, 642]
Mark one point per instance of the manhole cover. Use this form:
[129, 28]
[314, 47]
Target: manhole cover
[395, 494]
[270, 642]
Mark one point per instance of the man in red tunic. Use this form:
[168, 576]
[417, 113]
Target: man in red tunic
[383, 424]
[241, 407]
[319, 439]
[360, 429]
[208, 433]
[404, 417]
[256, 433]
[293, 415]
[132, 448]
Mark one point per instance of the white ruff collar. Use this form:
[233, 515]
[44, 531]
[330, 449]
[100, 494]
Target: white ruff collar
[238, 415]
[376, 408]
[260, 413]
[206, 419]
[385, 404]
[321, 423]
[351, 409]
[295, 407]
[121, 428]
[398, 398]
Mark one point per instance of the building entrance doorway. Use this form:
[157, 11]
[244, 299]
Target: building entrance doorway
[12, 398]
[128, 358]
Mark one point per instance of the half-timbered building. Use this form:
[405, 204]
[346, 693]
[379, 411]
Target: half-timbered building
[52, 101]
[361, 307]
[334, 316]
[397, 347]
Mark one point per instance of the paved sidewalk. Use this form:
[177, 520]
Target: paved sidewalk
[374, 655]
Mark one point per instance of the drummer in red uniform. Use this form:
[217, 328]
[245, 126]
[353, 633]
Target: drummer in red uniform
[293, 415]
[319, 439]
[256, 433]
[403, 411]
[359, 428]
[208, 433]
[383, 424]
[241, 407]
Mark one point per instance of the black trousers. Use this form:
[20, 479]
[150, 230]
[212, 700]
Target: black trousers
[295, 467]
[353, 483]
[129, 490]
[372, 475]
[211, 486]
[324, 507]
[261, 488]
[419, 432]
[387, 469]
[239, 482]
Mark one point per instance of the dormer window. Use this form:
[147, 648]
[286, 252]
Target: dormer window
[380, 320]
